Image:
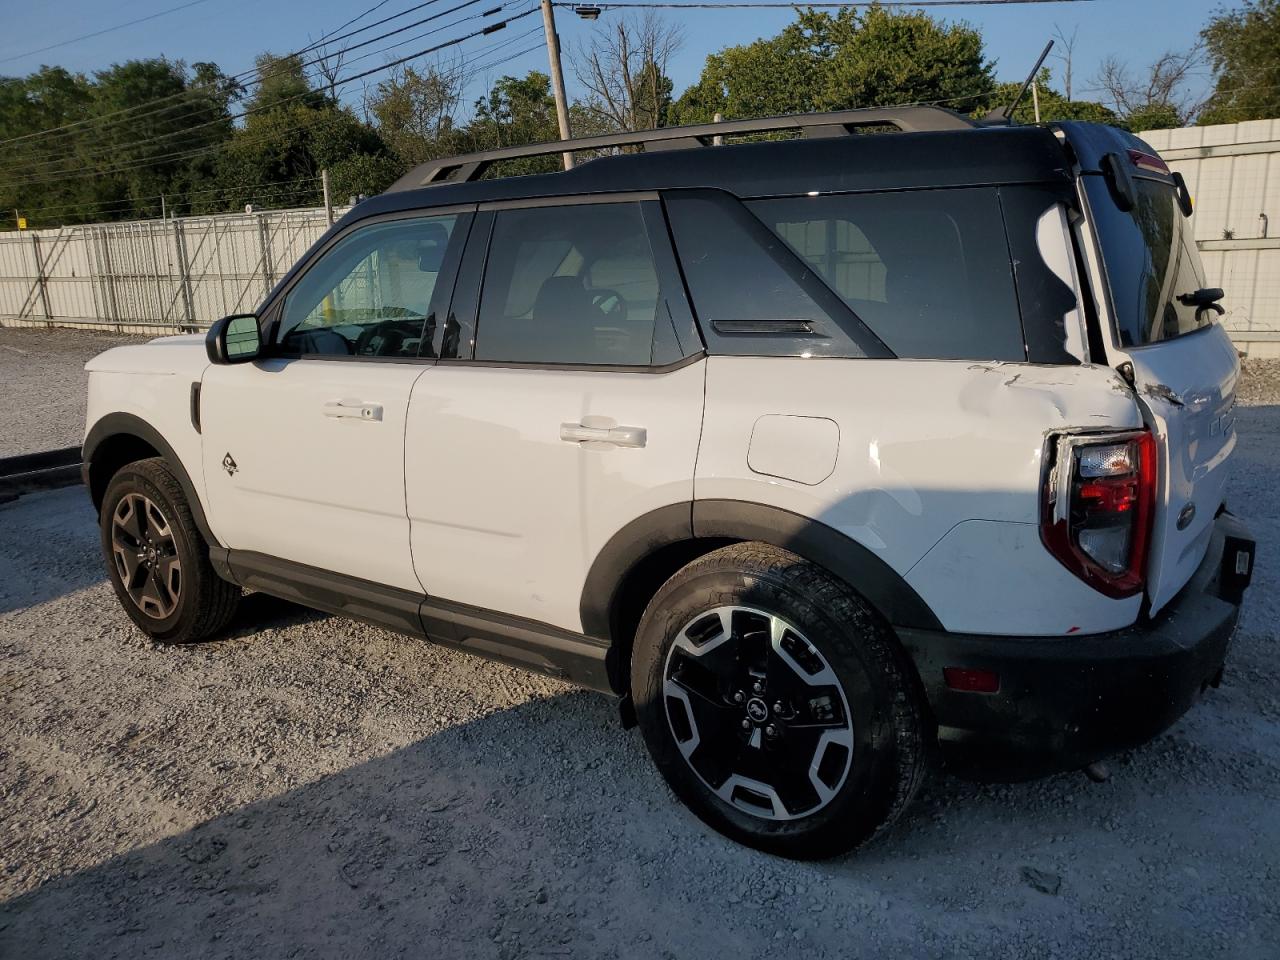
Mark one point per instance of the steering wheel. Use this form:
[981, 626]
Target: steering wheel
[609, 303]
[381, 340]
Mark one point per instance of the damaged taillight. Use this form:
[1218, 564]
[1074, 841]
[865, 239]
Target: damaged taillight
[1098, 506]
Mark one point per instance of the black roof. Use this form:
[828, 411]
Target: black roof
[969, 156]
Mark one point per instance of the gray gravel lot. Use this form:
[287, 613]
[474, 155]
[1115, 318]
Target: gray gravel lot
[314, 787]
[42, 385]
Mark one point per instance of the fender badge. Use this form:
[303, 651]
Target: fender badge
[1186, 515]
[229, 465]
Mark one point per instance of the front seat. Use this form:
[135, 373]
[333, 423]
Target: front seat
[563, 303]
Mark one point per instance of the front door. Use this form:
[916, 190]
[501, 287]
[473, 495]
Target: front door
[304, 450]
[574, 406]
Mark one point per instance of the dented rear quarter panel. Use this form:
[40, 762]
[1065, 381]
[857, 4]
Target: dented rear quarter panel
[938, 472]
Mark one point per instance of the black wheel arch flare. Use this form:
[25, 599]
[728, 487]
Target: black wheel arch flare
[683, 531]
[96, 458]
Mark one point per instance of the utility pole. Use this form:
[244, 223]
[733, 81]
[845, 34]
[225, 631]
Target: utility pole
[1035, 98]
[328, 201]
[557, 76]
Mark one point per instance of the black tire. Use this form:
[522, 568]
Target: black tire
[888, 760]
[202, 602]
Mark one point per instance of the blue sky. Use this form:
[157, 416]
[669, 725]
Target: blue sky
[231, 32]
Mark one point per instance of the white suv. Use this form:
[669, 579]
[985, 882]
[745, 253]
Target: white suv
[825, 455]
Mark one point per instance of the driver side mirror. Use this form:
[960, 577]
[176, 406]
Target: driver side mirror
[234, 339]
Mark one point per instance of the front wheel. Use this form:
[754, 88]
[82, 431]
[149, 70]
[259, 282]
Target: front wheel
[157, 560]
[777, 704]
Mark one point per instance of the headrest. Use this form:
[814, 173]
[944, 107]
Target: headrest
[431, 247]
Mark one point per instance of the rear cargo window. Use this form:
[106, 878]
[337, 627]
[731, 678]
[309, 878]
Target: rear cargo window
[1150, 259]
[927, 271]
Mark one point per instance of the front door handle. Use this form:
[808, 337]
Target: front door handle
[618, 436]
[354, 409]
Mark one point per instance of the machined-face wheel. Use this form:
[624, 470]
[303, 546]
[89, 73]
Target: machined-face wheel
[146, 556]
[758, 713]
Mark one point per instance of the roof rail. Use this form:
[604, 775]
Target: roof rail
[471, 166]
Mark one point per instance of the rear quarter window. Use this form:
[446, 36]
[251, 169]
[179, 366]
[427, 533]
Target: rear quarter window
[928, 272]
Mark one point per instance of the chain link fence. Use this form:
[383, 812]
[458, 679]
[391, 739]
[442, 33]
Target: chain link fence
[150, 276]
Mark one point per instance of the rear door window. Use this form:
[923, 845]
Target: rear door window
[1151, 260]
[575, 284]
[927, 271]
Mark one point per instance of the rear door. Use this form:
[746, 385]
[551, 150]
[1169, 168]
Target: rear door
[1184, 365]
[567, 402]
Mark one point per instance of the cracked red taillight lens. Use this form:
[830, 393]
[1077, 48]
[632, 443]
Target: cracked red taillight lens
[1098, 505]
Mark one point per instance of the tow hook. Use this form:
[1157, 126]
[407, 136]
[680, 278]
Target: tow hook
[1097, 771]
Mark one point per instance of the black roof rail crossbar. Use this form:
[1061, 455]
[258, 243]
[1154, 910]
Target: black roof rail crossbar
[471, 166]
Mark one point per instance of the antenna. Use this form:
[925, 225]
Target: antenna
[1006, 113]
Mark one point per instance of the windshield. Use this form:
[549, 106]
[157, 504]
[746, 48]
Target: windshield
[1151, 260]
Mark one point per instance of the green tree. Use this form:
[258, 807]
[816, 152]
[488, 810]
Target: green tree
[282, 82]
[876, 57]
[154, 150]
[276, 159]
[110, 147]
[415, 109]
[515, 111]
[31, 167]
[1244, 50]
[1053, 104]
[886, 57]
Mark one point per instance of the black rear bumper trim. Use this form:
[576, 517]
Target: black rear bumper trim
[1065, 702]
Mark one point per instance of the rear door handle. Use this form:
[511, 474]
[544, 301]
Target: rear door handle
[618, 436]
[353, 409]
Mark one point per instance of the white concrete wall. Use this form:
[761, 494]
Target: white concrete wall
[1233, 173]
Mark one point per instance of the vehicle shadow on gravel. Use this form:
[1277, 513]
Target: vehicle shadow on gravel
[542, 830]
[43, 555]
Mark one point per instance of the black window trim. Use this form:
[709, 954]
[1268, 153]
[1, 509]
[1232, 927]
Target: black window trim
[862, 335]
[273, 311]
[475, 258]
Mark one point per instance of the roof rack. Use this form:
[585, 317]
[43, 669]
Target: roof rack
[471, 166]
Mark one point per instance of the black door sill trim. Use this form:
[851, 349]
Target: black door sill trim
[520, 642]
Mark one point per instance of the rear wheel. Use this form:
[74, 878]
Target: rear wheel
[157, 560]
[776, 703]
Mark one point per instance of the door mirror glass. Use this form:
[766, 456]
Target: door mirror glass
[234, 339]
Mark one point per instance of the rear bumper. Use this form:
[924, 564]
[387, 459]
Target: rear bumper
[1064, 702]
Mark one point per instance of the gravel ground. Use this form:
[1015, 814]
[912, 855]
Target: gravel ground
[317, 788]
[42, 385]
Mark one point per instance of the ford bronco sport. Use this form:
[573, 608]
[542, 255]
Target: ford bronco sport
[826, 455]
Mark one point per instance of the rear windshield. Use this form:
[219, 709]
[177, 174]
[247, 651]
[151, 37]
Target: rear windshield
[1151, 260]
[927, 271]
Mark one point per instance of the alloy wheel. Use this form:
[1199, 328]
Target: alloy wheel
[758, 713]
[146, 555]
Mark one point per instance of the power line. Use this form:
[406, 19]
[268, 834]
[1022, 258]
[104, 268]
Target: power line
[799, 5]
[104, 30]
[491, 28]
[330, 37]
[49, 159]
